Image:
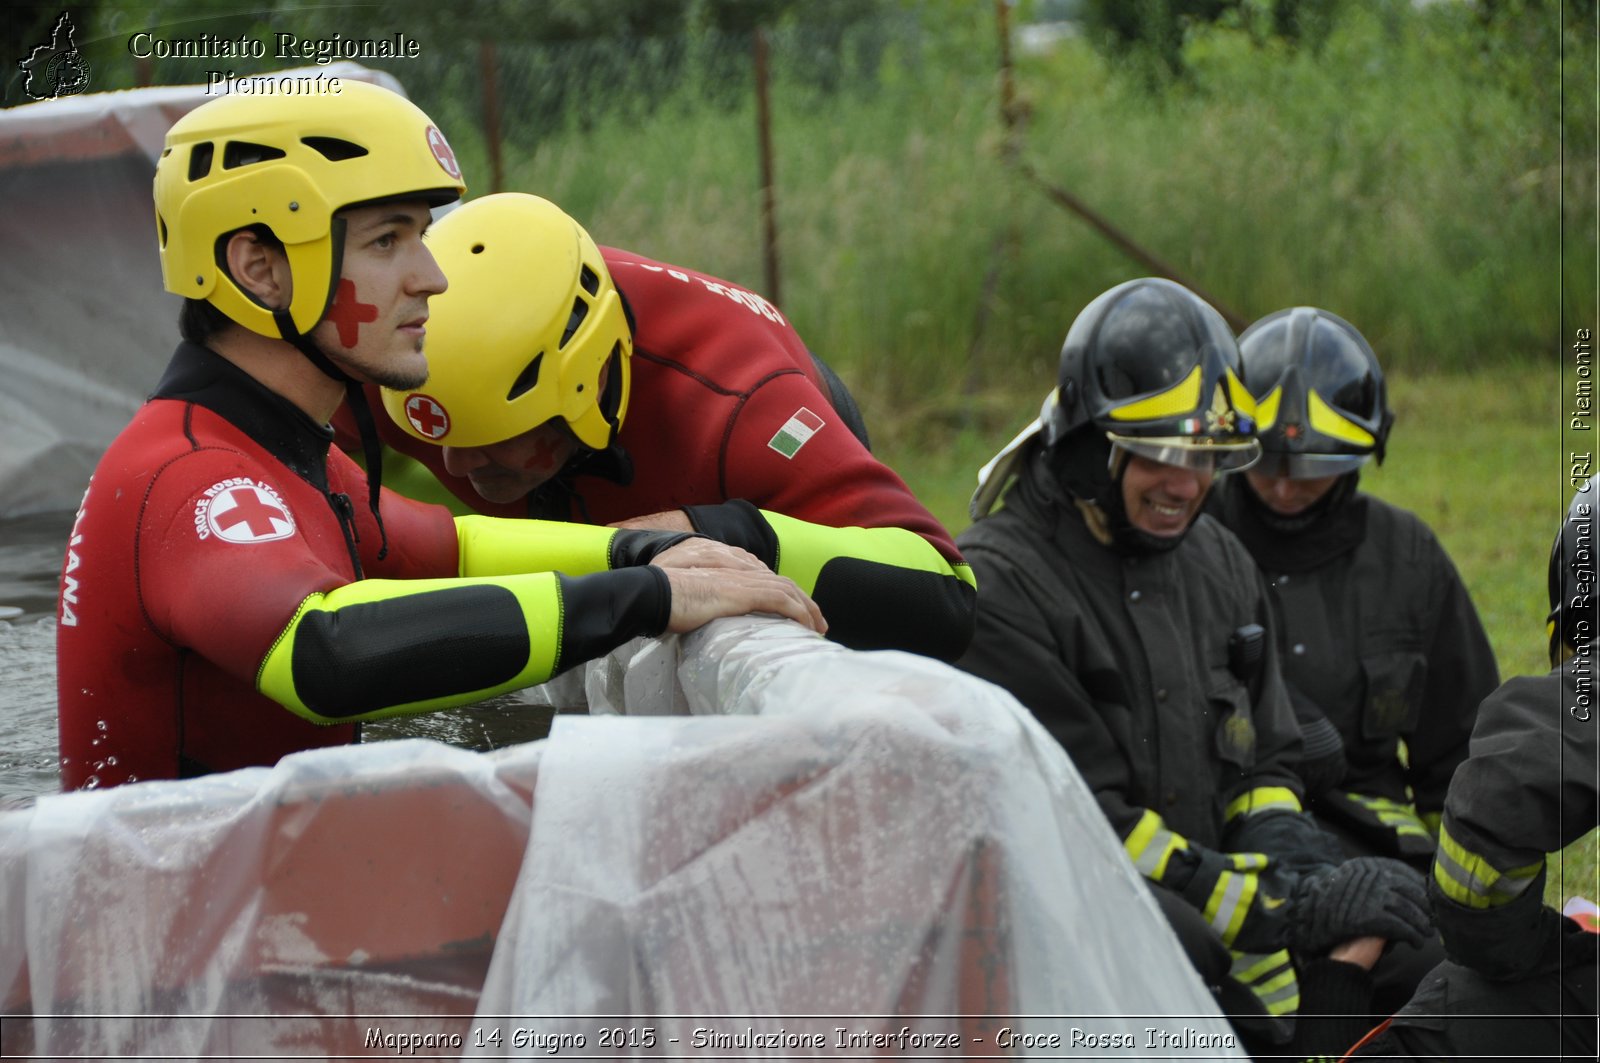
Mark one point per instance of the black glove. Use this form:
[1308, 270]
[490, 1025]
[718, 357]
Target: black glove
[1292, 839]
[1367, 895]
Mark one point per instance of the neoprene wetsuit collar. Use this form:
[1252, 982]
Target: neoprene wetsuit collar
[199, 375]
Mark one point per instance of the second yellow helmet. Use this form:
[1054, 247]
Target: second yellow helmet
[524, 334]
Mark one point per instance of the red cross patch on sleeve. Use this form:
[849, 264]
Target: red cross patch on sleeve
[241, 510]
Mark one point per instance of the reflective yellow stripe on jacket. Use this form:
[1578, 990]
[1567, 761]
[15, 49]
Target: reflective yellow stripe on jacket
[1270, 976]
[1397, 816]
[1150, 845]
[1262, 799]
[1472, 881]
[1234, 893]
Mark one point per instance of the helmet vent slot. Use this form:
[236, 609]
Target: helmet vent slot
[162, 223]
[334, 149]
[243, 153]
[200, 160]
[527, 380]
[580, 310]
[590, 281]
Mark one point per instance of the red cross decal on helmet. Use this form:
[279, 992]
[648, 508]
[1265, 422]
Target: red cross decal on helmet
[427, 416]
[245, 513]
[441, 151]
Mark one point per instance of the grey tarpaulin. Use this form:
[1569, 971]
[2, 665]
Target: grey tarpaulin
[833, 841]
[85, 327]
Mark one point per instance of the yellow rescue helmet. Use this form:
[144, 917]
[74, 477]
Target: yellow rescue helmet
[525, 333]
[289, 163]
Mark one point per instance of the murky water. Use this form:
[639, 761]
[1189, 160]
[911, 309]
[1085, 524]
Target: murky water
[30, 561]
[30, 565]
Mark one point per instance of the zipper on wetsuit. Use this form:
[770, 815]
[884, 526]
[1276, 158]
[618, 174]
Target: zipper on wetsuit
[346, 512]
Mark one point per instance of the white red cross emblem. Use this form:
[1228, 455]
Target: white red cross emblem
[427, 416]
[441, 151]
[243, 511]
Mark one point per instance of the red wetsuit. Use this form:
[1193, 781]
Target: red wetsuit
[209, 522]
[723, 387]
[729, 410]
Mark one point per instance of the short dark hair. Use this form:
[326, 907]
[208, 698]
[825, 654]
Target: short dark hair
[199, 319]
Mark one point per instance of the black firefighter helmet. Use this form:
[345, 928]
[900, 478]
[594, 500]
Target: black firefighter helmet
[1151, 369]
[1321, 405]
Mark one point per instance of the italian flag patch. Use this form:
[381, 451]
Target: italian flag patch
[800, 427]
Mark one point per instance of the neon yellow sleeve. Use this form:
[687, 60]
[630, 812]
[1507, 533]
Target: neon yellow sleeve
[804, 548]
[496, 546]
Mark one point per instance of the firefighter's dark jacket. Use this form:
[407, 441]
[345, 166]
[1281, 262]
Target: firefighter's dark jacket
[1125, 660]
[1379, 636]
[1527, 789]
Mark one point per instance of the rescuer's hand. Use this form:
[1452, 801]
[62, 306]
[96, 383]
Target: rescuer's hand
[669, 520]
[700, 595]
[700, 552]
[1368, 895]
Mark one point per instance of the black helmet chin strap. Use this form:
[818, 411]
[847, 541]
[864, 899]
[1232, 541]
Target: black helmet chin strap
[1089, 468]
[371, 446]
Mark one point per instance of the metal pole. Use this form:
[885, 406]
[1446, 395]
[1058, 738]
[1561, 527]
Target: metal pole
[487, 69]
[1135, 251]
[1006, 238]
[769, 206]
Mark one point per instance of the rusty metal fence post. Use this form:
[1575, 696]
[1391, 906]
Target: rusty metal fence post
[488, 70]
[769, 205]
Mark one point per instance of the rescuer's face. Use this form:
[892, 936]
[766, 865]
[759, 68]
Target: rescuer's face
[375, 327]
[1163, 499]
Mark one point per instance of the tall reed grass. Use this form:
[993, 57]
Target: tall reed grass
[1382, 176]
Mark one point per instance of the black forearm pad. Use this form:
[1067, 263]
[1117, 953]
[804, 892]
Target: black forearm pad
[630, 548]
[873, 606]
[738, 523]
[600, 612]
[370, 656]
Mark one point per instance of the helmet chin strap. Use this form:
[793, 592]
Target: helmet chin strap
[1126, 536]
[355, 394]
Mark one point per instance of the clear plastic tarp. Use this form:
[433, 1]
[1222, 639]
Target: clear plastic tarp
[832, 855]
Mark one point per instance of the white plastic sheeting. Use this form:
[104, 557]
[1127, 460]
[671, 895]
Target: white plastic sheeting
[838, 854]
[85, 327]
